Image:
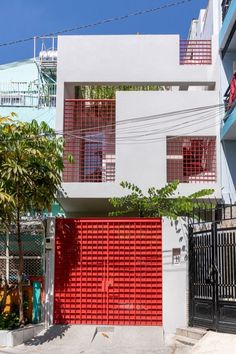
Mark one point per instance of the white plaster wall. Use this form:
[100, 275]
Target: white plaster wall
[127, 59]
[208, 22]
[175, 276]
[145, 163]
[49, 272]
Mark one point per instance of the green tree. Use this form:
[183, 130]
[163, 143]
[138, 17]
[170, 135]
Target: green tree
[157, 202]
[31, 163]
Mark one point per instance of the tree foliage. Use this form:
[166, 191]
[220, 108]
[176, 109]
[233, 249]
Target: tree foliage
[157, 202]
[31, 162]
[109, 92]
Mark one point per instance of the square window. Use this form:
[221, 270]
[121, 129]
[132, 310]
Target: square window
[191, 159]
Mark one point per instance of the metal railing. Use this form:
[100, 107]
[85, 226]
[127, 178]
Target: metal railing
[230, 98]
[33, 239]
[225, 6]
[195, 52]
[27, 94]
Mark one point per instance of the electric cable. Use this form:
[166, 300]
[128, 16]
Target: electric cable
[100, 22]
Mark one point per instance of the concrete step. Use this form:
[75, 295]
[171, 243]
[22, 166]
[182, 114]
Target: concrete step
[186, 340]
[191, 332]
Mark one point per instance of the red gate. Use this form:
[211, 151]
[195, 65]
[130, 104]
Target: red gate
[108, 271]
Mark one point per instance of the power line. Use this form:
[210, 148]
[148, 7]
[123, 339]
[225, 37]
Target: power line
[196, 111]
[130, 140]
[206, 113]
[101, 22]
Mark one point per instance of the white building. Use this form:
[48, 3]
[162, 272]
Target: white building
[132, 136]
[143, 135]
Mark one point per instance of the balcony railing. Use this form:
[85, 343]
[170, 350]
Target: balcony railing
[27, 94]
[225, 6]
[195, 52]
[89, 132]
[230, 97]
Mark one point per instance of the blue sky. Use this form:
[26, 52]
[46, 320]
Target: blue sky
[26, 18]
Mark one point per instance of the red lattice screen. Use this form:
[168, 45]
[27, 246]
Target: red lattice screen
[108, 271]
[191, 159]
[195, 52]
[89, 130]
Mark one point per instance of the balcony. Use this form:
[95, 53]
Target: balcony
[195, 52]
[89, 131]
[227, 35]
[228, 131]
[27, 94]
[225, 6]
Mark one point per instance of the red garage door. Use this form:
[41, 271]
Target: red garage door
[108, 271]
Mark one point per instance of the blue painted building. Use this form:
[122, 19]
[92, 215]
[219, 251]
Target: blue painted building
[227, 45]
[24, 92]
[28, 88]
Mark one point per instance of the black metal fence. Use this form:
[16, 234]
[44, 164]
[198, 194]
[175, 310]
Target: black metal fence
[212, 268]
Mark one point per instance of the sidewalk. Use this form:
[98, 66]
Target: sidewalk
[216, 343]
[89, 340]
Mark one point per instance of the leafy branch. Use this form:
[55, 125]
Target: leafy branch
[158, 201]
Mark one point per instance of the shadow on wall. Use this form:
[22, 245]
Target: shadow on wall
[181, 229]
[51, 333]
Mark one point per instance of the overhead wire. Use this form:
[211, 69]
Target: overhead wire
[128, 140]
[131, 127]
[98, 23]
[147, 118]
[208, 114]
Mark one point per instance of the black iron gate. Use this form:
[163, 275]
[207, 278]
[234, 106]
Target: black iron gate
[212, 274]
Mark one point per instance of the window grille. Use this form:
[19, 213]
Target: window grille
[195, 52]
[191, 159]
[89, 131]
[33, 249]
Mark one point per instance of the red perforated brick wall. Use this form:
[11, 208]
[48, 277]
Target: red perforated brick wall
[108, 271]
[191, 159]
[89, 132]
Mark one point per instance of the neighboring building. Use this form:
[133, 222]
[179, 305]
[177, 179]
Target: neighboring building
[227, 43]
[23, 91]
[28, 88]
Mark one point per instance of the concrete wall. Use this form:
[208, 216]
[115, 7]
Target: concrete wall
[175, 276]
[123, 59]
[137, 60]
[145, 163]
[211, 19]
[49, 267]
[130, 59]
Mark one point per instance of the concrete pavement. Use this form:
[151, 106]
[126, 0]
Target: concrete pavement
[65, 339]
[216, 343]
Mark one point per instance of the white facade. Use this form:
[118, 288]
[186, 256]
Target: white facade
[138, 60]
[178, 110]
